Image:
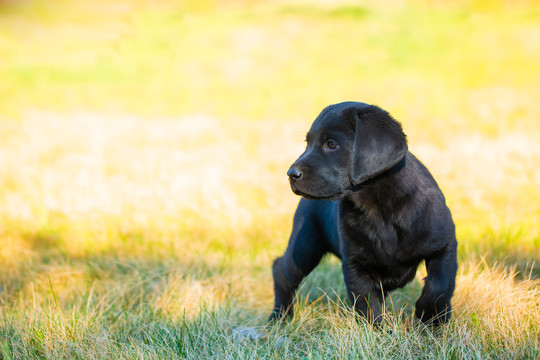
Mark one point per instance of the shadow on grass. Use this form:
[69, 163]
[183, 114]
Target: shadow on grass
[325, 287]
[151, 266]
[516, 248]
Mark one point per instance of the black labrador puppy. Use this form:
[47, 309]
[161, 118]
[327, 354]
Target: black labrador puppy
[369, 201]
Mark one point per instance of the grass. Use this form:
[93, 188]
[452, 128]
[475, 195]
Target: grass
[142, 161]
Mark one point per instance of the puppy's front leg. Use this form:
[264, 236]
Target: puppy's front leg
[434, 303]
[287, 277]
[363, 293]
[306, 248]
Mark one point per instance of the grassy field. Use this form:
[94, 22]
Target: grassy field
[143, 153]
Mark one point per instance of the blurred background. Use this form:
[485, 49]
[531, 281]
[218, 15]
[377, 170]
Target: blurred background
[146, 142]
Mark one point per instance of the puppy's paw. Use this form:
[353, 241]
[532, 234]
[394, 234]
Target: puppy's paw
[278, 317]
[433, 314]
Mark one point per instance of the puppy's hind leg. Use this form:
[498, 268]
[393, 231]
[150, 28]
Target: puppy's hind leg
[304, 252]
[434, 304]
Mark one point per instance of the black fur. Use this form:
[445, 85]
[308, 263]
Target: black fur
[369, 201]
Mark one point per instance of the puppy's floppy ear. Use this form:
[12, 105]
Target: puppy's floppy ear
[379, 143]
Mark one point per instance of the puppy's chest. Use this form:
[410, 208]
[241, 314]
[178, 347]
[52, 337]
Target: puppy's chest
[373, 241]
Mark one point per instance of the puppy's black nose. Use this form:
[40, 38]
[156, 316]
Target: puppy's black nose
[294, 174]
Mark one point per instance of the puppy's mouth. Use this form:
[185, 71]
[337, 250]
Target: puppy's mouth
[335, 196]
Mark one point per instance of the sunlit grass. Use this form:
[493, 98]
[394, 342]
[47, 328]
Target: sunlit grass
[143, 153]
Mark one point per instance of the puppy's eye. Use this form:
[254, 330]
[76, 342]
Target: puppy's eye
[331, 145]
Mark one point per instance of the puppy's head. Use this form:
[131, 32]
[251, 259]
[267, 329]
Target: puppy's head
[348, 144]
